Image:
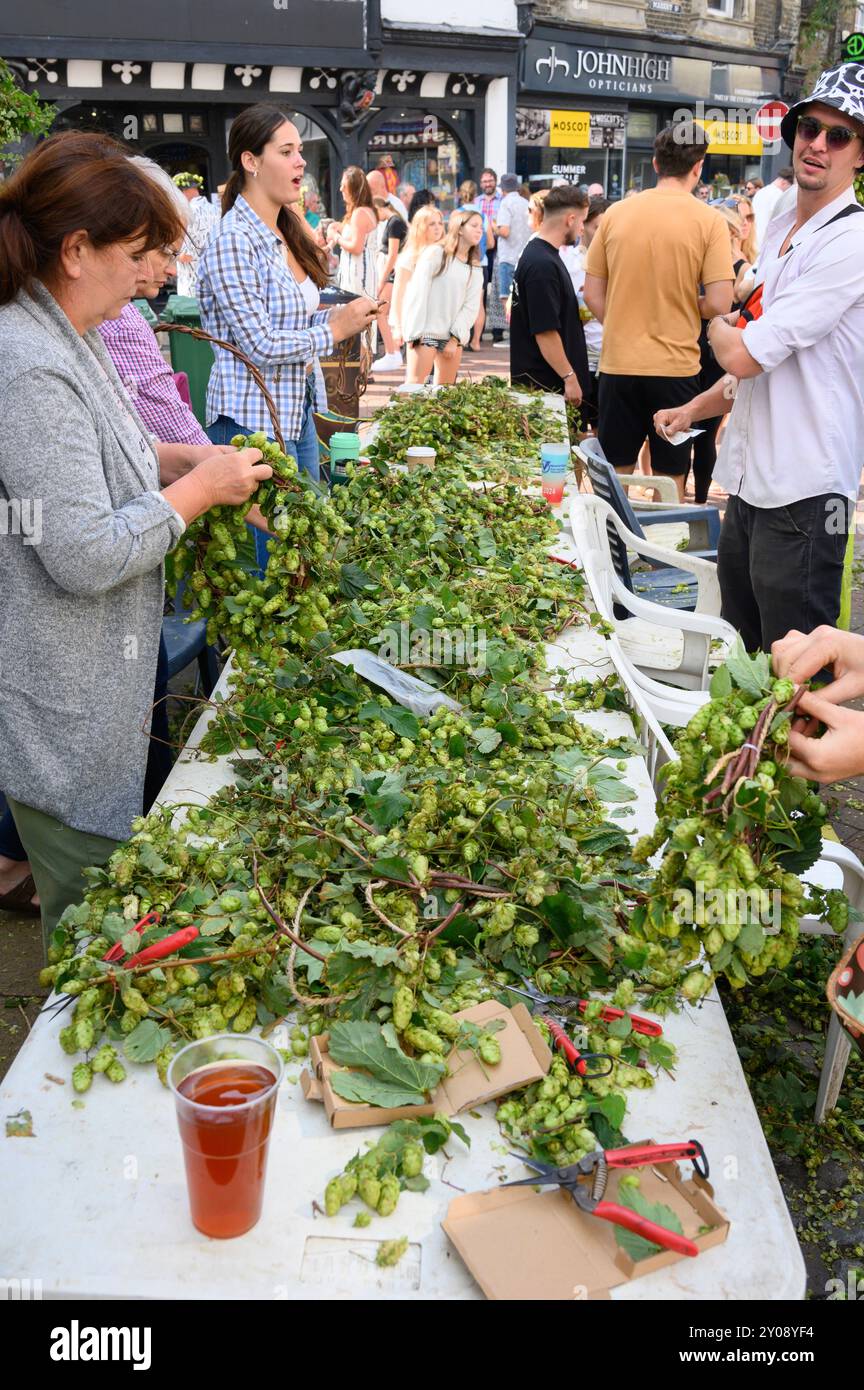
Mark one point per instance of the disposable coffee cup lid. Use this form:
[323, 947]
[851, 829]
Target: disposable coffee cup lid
[420, 451]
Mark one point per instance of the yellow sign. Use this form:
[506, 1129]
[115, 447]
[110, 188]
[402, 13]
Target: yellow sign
[732, 137]
[569, 130]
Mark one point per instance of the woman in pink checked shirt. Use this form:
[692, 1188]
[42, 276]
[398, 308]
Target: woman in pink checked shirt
[134, 350]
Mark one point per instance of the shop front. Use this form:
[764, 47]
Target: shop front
[591, 104]
[421, 102]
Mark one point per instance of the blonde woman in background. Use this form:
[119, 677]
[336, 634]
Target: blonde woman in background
[535, 209]
[749, 244]
[443, 299]
[425, 229]
[466, 197]
[749, 249]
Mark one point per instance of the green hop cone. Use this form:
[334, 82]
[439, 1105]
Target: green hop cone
[82, 1077]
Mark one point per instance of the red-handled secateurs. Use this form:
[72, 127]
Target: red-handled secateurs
[591, 1197]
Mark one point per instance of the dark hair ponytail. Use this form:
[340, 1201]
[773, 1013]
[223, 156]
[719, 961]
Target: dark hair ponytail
[252, 130]
[17, 252]
[76, 181]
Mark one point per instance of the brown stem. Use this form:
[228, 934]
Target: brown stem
[379, 883]
[444, 924]
[277, 920]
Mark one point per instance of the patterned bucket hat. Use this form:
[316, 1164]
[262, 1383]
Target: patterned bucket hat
[841, 87]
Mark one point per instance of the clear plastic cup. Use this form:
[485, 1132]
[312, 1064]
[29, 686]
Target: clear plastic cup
[225, 1091]
[553, 488]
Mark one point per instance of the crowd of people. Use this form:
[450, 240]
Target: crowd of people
[653, 315]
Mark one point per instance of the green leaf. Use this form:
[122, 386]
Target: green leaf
[609, 784]
[146, 1041]
[371, 1090]
[393, 867]
[723, 956]
[276, 993]
[150, 859]
[661, 1054]
[751, 938]
[460, 1132]
[365, 950]
[394, 1078]
[486, 546]
[721, 683]
[636, 1246]
[386, 809]
[563, 915]
[401, 721]
[354, 581]
[612, 1107]
[423, 617]
[747, 672]
[415, 1184]
[602, 839]
[212, 926]
[487, 740]
[113, 926]
[620, 1027]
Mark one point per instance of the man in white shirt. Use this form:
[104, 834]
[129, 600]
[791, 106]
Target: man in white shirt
[792, 455]
[512, 230]
[765, 201]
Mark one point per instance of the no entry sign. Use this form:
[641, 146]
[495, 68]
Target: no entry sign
[768, 119]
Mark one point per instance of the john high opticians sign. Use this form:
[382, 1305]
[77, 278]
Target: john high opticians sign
[571, 68]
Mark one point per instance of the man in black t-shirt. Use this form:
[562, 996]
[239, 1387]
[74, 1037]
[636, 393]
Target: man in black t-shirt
[547, 342]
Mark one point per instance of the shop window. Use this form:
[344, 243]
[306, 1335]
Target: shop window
[197, 125]
[641, 125]
[422, 151]
[563, 145]
[172, 123]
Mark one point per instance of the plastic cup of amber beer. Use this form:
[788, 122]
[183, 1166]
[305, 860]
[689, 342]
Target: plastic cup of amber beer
[225, 1090]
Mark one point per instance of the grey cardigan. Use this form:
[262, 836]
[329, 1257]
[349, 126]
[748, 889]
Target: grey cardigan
[81, 608]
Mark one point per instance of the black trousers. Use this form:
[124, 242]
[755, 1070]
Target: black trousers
[627, 405]
[782, 567]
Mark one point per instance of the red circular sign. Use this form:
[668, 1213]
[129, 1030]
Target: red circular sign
[768, 119]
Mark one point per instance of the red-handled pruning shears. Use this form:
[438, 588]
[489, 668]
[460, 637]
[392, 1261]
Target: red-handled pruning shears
[160, 950]
[646, 1026]
[583, 1063]
[149, 920]
[597, 1166]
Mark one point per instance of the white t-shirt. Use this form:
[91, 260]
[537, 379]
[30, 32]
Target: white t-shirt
[513, 214]
[797, 429]
[574, 257]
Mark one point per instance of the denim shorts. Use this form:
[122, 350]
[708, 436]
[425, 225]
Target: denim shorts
[506, 271]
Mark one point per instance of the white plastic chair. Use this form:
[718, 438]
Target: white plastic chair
[658, 749]
[646, 636]
[668, 703]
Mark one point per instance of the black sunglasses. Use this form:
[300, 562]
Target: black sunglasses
[837, 137]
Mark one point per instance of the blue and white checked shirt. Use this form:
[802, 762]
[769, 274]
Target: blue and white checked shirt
[249, 297]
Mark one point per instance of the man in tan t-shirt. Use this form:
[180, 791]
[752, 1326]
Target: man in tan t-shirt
[659, 264]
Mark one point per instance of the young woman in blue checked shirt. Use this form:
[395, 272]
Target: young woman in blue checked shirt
[258, 287]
